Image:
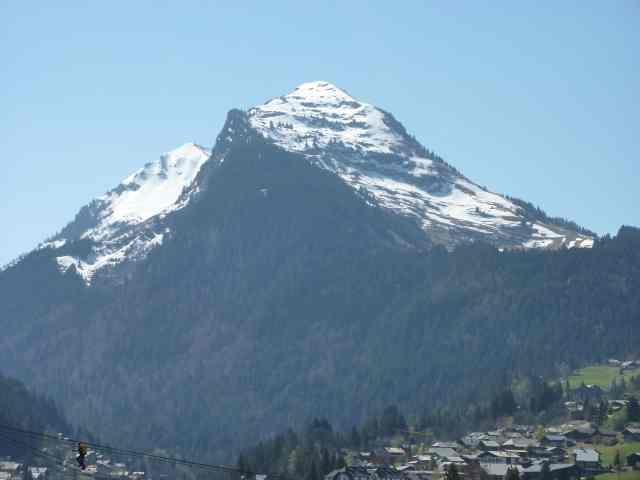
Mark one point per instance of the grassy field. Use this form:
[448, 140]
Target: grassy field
[629, 475]
[601, 375]
[607, 454]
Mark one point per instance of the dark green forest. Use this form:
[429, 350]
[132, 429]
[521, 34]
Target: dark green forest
[29, 411]
[281, 295]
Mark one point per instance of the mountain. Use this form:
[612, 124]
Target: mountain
[364, 146]
[261, 287]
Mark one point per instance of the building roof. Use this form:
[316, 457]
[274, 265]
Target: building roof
[586, 455]
[453, 445]
[424, 458]
[395, 450]
[501, 454]
[490, 443]
[537, 467]
[443, 452]
[498, 469]
[9, 466]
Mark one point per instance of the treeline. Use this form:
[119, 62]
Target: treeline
[318, 449]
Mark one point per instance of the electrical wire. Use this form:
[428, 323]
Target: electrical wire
[133, 453]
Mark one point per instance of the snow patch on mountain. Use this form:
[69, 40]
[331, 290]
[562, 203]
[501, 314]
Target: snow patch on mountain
[120, 223]
[151, 190]
[318, 114]
[110, 255]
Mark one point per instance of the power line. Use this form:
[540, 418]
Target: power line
[61, 464]
[133, 453]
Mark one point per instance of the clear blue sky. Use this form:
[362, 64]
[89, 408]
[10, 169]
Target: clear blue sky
[535, 99]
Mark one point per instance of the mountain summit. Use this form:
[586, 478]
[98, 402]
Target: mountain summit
[363, 145]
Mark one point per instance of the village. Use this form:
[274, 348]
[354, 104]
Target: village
[565, 452]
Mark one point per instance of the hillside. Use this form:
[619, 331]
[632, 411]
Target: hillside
[24, 409]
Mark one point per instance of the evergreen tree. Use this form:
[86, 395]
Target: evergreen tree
[545, 472]
[512, 474]
[452, 472]
[243, 465]
[326, 464]
[633, 410]
[313, 473]
[616, 460]
[354, 438]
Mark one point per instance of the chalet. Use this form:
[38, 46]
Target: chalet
[606, 437]
[488, 445]
[349, 473]
[386, 455]
[473, 471]
[424, 462]
[554, 441]
[495, 456]
[592, 393]
[587, 460]
[446, 462]
[10, 467]
[574, 409]
[453, 445]
[556, 454]
[38, 472]
[633, 460]
[364, 458]
[631, 434]
[395, 454]
[472, 439]
[557, 471]
[583, 433]
[617, 405]
[520, 443]
[384, 472]
[442, 453]
[11, 470]
[419, 475]
[498, 471]
[629, 364]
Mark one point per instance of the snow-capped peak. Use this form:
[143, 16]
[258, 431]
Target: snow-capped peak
[115, 222]
[319, 114]
[320, 92]
[371, 150]
[152, 189]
